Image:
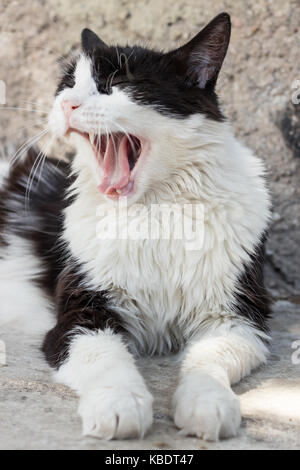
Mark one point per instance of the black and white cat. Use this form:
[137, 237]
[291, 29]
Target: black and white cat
[149, 130]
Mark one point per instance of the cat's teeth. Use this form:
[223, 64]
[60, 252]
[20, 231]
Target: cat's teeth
[119, 191]
[91, 137]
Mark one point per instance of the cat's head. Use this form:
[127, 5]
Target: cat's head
[134, 112]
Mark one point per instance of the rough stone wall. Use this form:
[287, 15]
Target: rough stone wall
[255, 85]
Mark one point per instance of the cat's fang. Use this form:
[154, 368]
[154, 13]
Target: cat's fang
[91, 137]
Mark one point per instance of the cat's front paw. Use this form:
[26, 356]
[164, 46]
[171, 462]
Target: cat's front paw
[116, 412]
[205, 408]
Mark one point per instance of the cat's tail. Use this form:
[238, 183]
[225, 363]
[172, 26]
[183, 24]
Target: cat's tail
[23, 305]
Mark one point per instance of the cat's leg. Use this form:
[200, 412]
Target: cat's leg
[204, 403]
[88, 350]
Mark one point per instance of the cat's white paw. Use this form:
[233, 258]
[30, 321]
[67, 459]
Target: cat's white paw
[116, 412]
[205, 408]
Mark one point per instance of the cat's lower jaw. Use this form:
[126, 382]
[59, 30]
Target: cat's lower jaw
[206, 408]
[116, 412]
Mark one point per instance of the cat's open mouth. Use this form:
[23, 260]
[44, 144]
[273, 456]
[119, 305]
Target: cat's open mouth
[117, 155]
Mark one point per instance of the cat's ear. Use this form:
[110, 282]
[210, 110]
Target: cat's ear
[90, 41]
[200, 60]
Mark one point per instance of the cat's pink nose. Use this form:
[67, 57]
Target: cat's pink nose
[68, 107]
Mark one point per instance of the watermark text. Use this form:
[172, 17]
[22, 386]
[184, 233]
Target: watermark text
[296, 355]
[154, 222]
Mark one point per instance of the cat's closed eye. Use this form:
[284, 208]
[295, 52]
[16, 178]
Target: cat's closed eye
[120, 81]
[68, 76]
[106, 88]
[69, 81]
[111, 82]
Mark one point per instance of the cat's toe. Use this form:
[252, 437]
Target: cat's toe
[205, 408]
[116, 413]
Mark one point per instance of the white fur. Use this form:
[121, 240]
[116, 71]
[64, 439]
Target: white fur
[191, 160]
[22, 303]
[114, 400]
[160, 289]
[4, 168]
[205, 408]
[204, 404]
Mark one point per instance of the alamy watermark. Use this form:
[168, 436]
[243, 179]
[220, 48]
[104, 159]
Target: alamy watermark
[296, 93]
[154, 222]
[296, 355]
[2, 92]
[2, 353]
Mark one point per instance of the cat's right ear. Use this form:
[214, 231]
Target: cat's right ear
[200, 60]
[90, 41]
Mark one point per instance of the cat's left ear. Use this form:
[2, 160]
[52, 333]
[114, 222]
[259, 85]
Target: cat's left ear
[200, 60]
[90, 41]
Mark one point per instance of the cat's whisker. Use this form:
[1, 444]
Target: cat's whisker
[33, 171]
[30, 180]
[20, 129]
[26, 145]
[118, 56]
[37, 106]
[126, 64]
[23, 149]
[107, 134]
[99, 137]
[110, 80]
[17, 108]
[127, 135]
[114, 144]
[44, 157]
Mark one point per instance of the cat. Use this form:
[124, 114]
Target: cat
[148, 131]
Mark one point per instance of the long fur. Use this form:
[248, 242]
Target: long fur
[118, 297]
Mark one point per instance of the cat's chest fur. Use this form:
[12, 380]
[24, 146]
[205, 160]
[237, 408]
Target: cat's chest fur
[162, 289]
[151, 270]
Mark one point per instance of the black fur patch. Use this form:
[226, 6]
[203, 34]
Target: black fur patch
[252, 299]
[38, 215]
[179, 83]
[77, 307]
[151, 78]
[154, 81]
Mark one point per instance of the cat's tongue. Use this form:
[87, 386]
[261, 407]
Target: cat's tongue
[116, 170]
